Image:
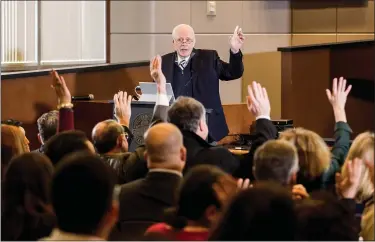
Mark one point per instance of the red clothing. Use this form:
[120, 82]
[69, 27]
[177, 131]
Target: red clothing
[66, 120]
[166, 231]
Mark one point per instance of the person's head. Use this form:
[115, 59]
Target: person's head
[13, 143]
[26, 193]
[264, 212]
[109, 136]
[183, 39]
[47, 125]
[65, 143]
[196, 199]
[164, 147]
[363, 148]
[277, 161]
[324, 218]
[190, 115]
[314, 156]
[83, 195]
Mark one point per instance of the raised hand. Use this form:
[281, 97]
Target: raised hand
[347, 186]
[338, 98]
[299, 192]
[243, 184]
[236, 40]
[157, 74]
[123, 107]
[257, 101]
[61, 90]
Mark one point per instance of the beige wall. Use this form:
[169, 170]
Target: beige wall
[324, 23]
[141, 29]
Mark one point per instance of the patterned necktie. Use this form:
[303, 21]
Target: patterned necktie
[182, 64]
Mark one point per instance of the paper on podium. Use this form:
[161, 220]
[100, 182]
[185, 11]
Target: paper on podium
[149, 92]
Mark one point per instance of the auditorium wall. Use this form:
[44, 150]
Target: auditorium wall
[141, 29]
[332, 21]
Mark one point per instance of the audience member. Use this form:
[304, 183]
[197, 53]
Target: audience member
[363, 148]
[26, 212]
[197, 207]
[83, 198]
[324, 218]
[145, 199]
[112, 138]
[317, 165]
[263, 212]
[47, 127]
[276, 161]
[65, 143]
[13, 142]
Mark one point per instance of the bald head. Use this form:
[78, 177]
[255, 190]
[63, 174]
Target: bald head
[164, 145]
[183, 39]
[109, 136]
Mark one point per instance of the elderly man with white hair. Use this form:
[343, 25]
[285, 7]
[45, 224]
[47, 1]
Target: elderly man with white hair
[196, 73]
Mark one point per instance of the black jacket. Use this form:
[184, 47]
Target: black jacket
[206, 71]
[146, 199]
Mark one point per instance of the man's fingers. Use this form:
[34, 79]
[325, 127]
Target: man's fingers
[329, 95]
[130, 97]
[252, 95]
[348, 90]
[246, 183]
[339, 87]
[235, 33]
[334, 87]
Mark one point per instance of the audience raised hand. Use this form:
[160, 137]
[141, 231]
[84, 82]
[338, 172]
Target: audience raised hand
[157, 74]
[123, 111]
[257, 101]
[338, 98]
[347, 187]
[64, 99]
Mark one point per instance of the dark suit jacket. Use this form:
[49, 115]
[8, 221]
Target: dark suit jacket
[146, 199]
[207, 69]
[201, 152]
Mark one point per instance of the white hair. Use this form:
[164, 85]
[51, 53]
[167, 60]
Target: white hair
[181, 26]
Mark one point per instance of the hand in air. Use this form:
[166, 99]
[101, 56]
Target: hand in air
[123, 107]
[338, 98]
[236, 40]
[61, 90]
[257, 101]
[157, 74]
[347, 186]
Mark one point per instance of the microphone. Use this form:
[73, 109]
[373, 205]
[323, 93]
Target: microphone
[83, 97]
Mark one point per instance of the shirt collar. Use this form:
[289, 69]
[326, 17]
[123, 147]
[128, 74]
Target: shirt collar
[59, 235]
[166, 171]
[187, 58]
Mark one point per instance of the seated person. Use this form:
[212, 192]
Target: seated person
[112, 138]
[145, 199]
[47, 127]
[196, 210]
[84, 199]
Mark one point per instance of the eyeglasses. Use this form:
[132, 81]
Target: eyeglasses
[182, 40]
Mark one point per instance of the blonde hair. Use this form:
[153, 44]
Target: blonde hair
[361, 145]
[12, 141]
[314, 155]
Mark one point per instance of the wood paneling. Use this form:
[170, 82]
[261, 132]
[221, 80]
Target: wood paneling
[25, 99]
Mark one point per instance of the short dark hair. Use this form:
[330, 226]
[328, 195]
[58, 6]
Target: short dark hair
[275, 160]
[82, 192]
[195, 195]
[264, 212]
[47, 124]
[185, 113]
[65, 143]
[105, 140]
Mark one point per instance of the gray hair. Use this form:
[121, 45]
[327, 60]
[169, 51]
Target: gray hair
[178, 27]
[186, 113]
